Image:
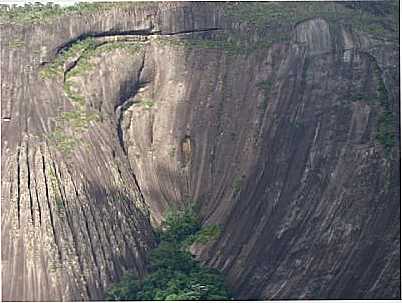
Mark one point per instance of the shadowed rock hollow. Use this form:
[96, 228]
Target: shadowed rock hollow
[278, 119]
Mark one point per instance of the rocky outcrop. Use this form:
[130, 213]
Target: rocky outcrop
[278, 144]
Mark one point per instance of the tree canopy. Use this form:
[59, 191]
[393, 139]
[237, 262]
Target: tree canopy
[173, 272]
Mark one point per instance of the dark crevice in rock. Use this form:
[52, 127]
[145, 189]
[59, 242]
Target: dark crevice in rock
[56, 241]
[18, 186]
[70, 67]
[70, 225]
[137, 184]
[29, 185]
[151, 130]
[139, 33]
[107, 272]
[119, 110]
[82, 37]
[76, 246]
[91, 245]
[59, 185]
[194, 31]
[186, 149]
[38, 202]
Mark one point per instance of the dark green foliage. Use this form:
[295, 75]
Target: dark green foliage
[207, 234]
[386, 129]
[358, 97]
[173, 272]
[179, 225]
[124, 289]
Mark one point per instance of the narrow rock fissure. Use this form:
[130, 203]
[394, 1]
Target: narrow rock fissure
[119, 111]
[70, 225]
[91, 245]
[50, 208]
[18, 186]
[29, 185]
[120, 115]
[133, 33]
[38, 202]
[95, 226]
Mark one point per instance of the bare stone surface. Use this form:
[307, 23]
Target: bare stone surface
[272, 145]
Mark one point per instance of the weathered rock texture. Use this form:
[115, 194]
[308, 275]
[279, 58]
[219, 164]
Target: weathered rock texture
[277, 145]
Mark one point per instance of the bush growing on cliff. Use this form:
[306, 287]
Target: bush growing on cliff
[173, 272]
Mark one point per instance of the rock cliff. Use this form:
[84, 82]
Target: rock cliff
[280, 120]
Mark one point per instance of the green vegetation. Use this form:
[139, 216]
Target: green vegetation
[266, 87]
[62, 141]
[16, 43]
[284, 15]
[82, 51]
[147, 103]
[237, 184]
[43, 13]
[230, 44]
[37, 12]
[172, 152]
[385, 131]
[131, 47]
[77, 50]
[274, 22]
[173, 272]
[58, 201]
[79, 118]
[386, 122]
[207, 234]
[358, 97]
[377, 20]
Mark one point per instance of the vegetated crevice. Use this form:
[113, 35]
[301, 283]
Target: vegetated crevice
[134, 33]
[29, 184]
[386, 123]
[123, 102]
[119, 111]
[89, 234]
[186, 150]
[69, 222]
[109, 243]
[38, 202]
[82, 209]
[56, 241]
[67, 45]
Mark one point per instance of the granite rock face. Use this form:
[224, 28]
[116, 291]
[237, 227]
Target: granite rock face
[278, 144]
